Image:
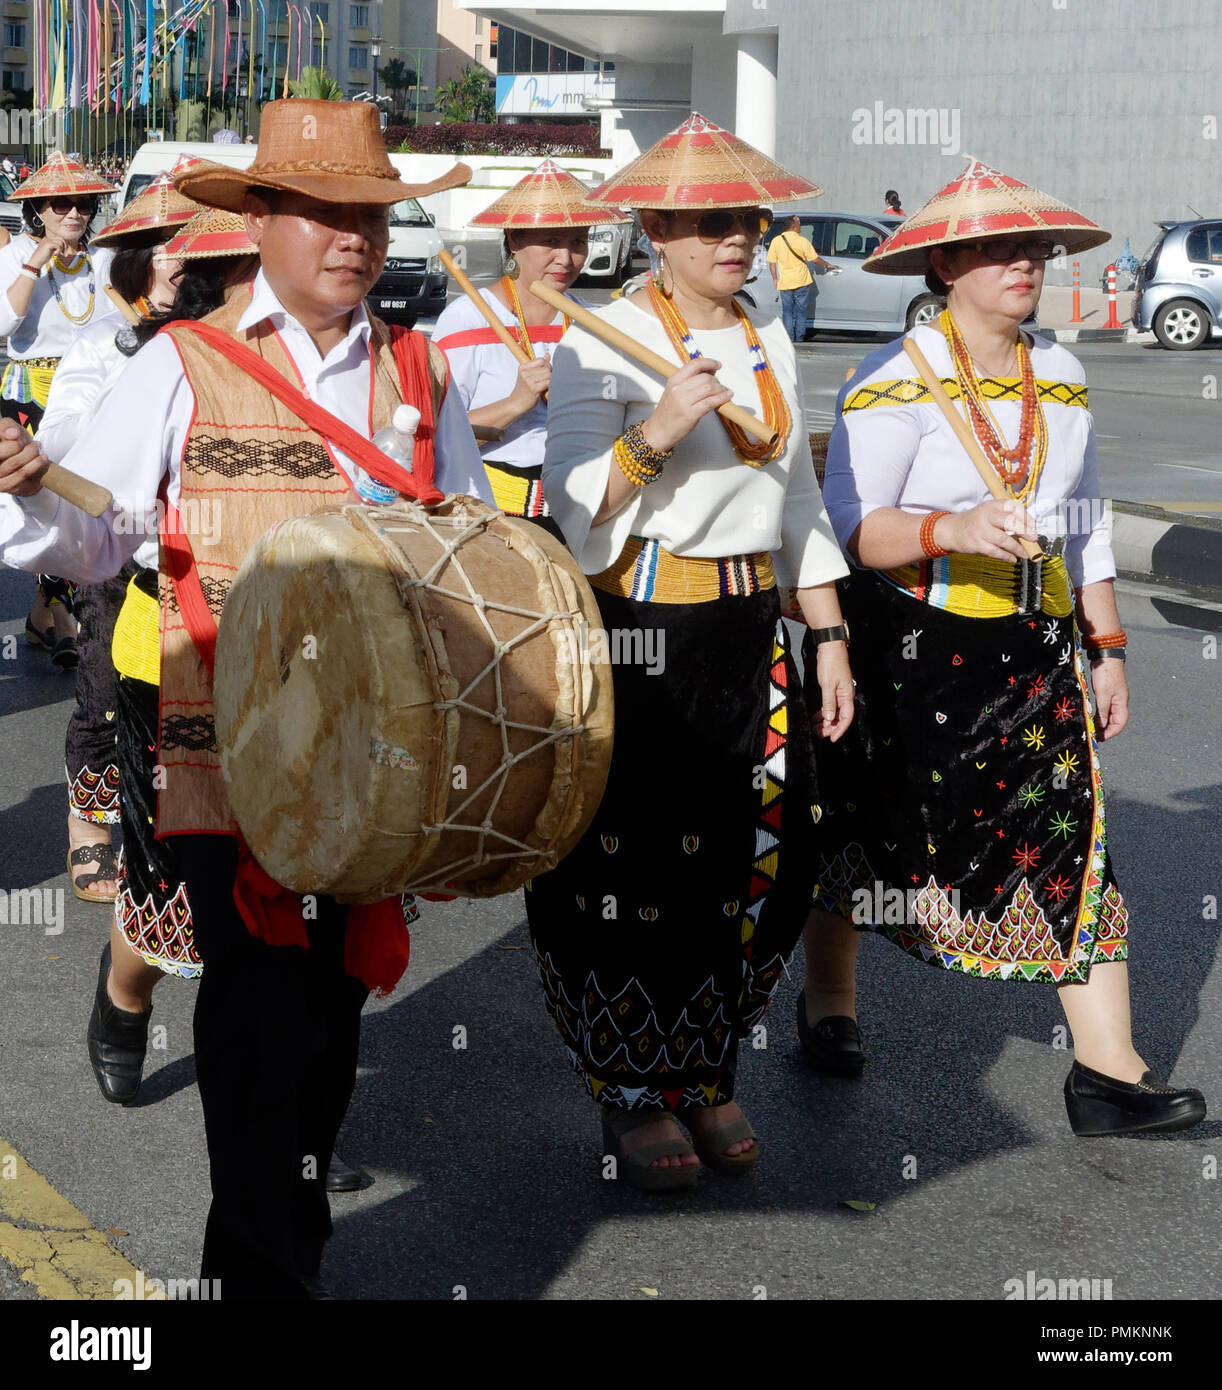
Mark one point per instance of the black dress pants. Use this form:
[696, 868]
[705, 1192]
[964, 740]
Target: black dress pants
[277, 1031]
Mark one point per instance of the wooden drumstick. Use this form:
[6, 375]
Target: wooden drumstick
[622, 343]
[966, 437]
[124, 307]
[89, 497]
[484, 307]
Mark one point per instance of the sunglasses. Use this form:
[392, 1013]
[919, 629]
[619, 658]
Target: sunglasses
[61, 207]
[1040, 249]
[718, 224]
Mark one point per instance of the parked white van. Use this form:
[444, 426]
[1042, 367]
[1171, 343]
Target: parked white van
[413, 282]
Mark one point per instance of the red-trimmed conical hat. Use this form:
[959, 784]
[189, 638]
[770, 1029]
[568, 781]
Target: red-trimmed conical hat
[701, 166]
[549, 196]
[61, 177]
[211, 232]
[152, 210]
[981, 202]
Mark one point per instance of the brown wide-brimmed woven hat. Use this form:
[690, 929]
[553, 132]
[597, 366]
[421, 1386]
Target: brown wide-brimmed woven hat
[211, 232]
[981, 203]
[329, 150]
[549, 196]
[699, 165]
[61, 177]
[152, 211]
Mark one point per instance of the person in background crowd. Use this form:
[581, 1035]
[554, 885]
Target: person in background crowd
[790, 257]
[892, 200]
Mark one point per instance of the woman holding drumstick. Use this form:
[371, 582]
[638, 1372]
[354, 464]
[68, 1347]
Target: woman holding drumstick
[546, 224]
[972, 694]
[662, 936]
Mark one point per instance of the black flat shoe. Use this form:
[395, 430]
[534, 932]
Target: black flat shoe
[341, 1178]
[65, 654]
[1099, 1105]
[44, 639]
[117, 1042]
[833, 1045]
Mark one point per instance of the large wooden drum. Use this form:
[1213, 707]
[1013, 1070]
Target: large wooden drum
[408, 699]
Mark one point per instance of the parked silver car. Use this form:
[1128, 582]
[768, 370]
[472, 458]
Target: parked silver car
[1179, 285]
[852, 300]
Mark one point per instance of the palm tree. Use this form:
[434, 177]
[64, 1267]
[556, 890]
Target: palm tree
[467, 97]
[398, 77]
[318, 85]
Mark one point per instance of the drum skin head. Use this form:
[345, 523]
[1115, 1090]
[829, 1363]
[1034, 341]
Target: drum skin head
[407, 699]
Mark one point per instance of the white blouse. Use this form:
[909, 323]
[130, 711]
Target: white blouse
[45, 330]
[708, 503]
[484, 371]
[887, 451]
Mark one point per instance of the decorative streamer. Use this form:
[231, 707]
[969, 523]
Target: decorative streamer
[91, 63]
[150, 25]
[211, 49]
[58, 81]
[128, 49]
[263, 53]
[301, 24]
[288, 51]
[225, 56]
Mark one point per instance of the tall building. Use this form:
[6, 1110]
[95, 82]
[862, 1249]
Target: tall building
[467, 40]
[17, 52]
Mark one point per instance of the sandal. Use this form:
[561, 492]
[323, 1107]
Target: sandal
[108, 868]
[65, 654]
[636, 1166]
[44, 639]
[711, 1145]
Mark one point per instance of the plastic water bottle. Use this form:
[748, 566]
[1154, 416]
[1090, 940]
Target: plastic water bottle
[398, 442]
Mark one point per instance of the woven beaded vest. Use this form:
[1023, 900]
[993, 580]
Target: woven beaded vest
[248, 462]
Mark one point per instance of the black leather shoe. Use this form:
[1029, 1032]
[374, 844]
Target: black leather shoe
[341, 1178]
[117, 1041]
[1099, 1105]
[833, 1045]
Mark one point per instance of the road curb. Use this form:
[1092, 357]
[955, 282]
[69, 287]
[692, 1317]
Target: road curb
[1166, 547]
[1094, 335]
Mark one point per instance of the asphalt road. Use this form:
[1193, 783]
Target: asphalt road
[487, 1158]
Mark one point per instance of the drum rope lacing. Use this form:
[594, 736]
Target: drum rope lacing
[406, 581]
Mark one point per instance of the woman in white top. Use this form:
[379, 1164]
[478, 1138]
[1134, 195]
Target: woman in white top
[662, 936]
[50, 287]
[986, 850]
[546, 224]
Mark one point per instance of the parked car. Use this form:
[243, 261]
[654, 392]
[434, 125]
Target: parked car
[413, 282]
[1179, 285]
[10, 213]
[854, 300]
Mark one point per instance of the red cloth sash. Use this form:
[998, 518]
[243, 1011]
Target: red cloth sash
[377, 943]
[486, 337]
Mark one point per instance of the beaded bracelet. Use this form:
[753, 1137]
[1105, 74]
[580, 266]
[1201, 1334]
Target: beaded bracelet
[637, 460]
[1111, 639]
[932, 550]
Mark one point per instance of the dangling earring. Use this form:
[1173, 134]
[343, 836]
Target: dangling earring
[659, 275]
[511, 267]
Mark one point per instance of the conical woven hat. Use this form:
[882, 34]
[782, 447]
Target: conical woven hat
[155, 208]
[548, 197]
[981, 202]
[701, 166]
[61, 177]
[211, 232]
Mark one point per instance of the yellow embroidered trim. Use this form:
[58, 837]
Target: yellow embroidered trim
[977, 586]
[514, 494]
[135, 648]
[644, 571]
[1008, 388]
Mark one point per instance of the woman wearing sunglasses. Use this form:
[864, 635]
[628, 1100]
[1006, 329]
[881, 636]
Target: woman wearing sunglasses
[545, 224]
[988, 852]
[662, 936]
[50, 288]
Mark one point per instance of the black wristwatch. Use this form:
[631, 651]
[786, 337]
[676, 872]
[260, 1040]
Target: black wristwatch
[830, 634]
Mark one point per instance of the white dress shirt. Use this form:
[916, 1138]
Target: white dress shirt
[908, 456]
[485, 373]
[45, 330]
[708, 503]
[137, 437]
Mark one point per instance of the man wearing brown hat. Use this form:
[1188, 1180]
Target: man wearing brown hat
[250, 422]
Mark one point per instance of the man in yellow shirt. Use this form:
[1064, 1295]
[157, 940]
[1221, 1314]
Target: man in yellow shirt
[790, 257]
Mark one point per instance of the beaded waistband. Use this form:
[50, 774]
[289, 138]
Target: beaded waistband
[646, 572]
[978, 586]
[517, 491]
[46, 364]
